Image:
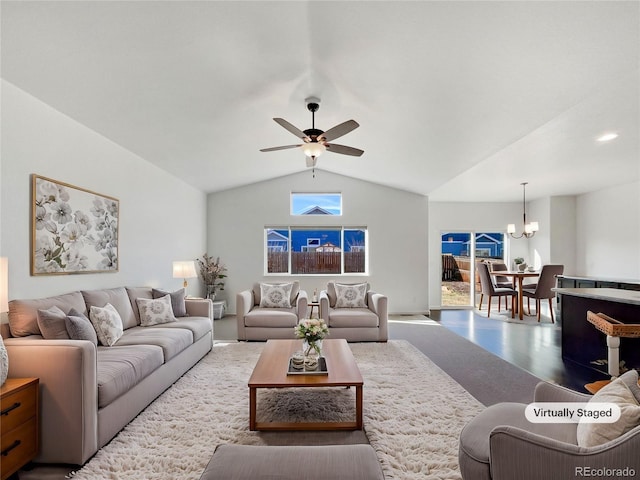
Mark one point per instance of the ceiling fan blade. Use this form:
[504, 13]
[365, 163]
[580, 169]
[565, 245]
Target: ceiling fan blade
[340, 130]
[285, 147]
[312, 161]
[344, 150]
[296, 131]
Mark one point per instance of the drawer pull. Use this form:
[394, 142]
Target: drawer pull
[6, 451]
[12, 407]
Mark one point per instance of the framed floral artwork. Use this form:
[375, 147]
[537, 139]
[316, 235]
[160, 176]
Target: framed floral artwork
[73, 230]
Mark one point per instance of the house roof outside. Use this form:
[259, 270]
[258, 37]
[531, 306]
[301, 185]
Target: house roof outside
[316, 210]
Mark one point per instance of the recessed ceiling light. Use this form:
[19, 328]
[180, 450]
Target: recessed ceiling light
[607, 137]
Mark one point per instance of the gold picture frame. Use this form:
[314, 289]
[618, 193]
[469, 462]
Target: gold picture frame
[73, 230]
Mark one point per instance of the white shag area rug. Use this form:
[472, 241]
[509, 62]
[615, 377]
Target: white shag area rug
[413, 415]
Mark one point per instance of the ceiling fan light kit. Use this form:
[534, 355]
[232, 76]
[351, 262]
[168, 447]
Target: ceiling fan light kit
[316, 141]
[313, 149]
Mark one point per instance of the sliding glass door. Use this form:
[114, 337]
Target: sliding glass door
[456, 269]
[460, 251]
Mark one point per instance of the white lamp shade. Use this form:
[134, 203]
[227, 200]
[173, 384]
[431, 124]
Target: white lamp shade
[534, 226]
[511, 228]
[4, 284]
[313, 149]
[184, 269]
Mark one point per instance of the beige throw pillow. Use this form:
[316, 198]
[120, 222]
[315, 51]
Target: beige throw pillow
[275, 295]
[351, 296]
[107, 323]
[625, 393]
[155, 312]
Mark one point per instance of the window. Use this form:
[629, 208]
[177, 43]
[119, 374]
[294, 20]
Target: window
[315, 250]
[316, 204]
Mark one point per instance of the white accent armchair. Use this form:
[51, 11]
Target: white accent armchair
[262, 323]
[367, 323]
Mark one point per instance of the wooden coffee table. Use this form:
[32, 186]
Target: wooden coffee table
[271, 372]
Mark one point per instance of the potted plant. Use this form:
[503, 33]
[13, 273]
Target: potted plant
[520, 265]
[212, 273]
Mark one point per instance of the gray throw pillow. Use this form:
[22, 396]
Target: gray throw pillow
[51, 323]
[79, 327]
[177, 300]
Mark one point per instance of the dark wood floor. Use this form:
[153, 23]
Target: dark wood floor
[533, 347]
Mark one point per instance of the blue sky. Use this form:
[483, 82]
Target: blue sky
[301, 202]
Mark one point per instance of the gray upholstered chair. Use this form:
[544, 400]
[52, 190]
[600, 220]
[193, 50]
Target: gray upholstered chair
[501, 281]
[256, 322]
[487, 287]
[543, 289]
[501, 444]
[366, 323]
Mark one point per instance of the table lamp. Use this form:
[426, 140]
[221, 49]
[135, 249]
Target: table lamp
[184, 270]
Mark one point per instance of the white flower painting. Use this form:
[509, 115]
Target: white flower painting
[73, 230]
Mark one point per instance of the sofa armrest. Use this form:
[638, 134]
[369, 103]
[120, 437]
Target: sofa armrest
[378, 304]
[244, 304]
[302, 304]
[323, 298]
[516, 453]
[548, 392]
[199, 307]
[67, 370]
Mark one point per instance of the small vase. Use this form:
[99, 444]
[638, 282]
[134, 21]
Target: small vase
[313, 348]
[522, 267]
[4, 362]
[211, 292]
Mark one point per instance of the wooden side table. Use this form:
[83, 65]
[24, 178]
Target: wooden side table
[313, 305]
[19, 400]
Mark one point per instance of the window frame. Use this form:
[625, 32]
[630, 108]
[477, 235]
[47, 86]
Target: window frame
[340, 228]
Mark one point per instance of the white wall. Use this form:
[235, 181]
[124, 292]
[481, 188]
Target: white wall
[608, 232]
[539, 246]
[396, 221]
[562, 241]
[161, 218]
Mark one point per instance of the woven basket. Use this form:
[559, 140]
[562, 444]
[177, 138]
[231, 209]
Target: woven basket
[613, 327]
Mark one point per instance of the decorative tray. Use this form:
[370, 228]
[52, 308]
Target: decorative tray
[613, 327]
[321, 369]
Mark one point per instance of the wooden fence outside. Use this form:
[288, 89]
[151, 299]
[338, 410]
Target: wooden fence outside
[315, 262]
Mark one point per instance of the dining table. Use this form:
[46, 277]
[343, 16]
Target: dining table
[518, 278]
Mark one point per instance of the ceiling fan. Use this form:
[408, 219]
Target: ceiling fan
[317, 141]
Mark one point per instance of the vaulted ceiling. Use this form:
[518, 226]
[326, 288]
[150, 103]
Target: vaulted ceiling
[455, 100]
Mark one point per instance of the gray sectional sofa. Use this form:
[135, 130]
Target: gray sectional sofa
[89, 392]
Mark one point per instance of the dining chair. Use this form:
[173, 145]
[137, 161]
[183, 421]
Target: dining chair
[543, 289]
[501, 281]
[488, 288]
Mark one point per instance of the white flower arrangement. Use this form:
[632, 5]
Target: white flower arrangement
[312, 330]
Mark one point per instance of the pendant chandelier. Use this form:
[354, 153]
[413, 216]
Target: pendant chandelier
[529, 229]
